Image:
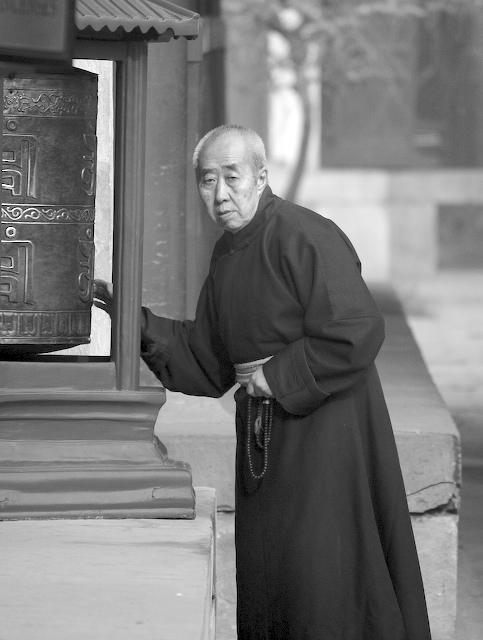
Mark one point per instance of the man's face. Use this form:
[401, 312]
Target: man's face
[227, 182]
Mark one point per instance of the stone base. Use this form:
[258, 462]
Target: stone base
[437, 542]
[82, 453]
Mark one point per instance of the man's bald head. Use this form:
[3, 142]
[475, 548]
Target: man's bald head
[253, 142]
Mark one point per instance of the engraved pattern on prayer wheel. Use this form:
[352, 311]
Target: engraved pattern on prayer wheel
[47, 218]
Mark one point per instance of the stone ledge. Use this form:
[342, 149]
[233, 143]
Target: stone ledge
[211, 458]
[430, 468]
[426, 435]
[379, 186]
[132, 579]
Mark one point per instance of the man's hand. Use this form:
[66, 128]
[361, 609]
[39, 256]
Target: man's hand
[103, 295]
[258, 385]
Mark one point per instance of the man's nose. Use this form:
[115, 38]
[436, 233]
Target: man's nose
[221, 193]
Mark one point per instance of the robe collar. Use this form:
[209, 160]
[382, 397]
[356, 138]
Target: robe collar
[235, 241]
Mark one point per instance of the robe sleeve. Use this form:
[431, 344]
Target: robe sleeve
[188, 356]
[343, 329]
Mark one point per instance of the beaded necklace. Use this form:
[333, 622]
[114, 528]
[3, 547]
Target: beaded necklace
[262, 428]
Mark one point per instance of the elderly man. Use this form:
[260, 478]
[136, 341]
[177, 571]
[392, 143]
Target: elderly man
[324, 545]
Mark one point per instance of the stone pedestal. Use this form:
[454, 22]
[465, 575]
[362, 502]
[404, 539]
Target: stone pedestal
[437, 542]
[86, 453]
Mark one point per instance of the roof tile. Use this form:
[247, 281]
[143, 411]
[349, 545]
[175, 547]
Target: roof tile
[140, 15]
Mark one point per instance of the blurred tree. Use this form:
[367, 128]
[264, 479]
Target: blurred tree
[340, 39]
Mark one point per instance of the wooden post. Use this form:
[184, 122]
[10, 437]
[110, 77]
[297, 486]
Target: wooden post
[129, 213]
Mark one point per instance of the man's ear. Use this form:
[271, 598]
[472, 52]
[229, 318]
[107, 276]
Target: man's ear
[262, 179]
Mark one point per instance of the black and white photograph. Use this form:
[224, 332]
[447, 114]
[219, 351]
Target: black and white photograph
[241, 320]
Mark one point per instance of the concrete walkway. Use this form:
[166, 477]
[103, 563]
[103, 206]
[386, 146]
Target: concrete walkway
[446, 316]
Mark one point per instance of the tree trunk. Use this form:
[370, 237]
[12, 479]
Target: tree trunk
[299, 166]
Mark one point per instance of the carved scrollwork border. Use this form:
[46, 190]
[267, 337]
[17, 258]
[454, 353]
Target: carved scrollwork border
[65, 213]
[48, 103]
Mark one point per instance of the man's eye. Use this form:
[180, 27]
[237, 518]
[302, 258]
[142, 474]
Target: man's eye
[232, 178]
[208, 182]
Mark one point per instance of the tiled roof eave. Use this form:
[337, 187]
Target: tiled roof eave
[149, 17]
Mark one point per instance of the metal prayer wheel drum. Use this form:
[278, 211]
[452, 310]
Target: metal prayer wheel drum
[47, 218]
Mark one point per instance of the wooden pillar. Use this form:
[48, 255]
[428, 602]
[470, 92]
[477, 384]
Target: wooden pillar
[185, 99]
[129, 213]
[164, 272]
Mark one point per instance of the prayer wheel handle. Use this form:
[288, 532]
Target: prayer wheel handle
[103, 296]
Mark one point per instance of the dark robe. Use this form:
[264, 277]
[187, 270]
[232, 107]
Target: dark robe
[324, 545]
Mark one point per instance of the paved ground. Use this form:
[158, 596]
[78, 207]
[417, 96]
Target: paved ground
[446, 315]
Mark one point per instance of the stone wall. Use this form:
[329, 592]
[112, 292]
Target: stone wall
[393, 218]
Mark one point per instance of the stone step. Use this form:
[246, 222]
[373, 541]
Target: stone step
[129, 579]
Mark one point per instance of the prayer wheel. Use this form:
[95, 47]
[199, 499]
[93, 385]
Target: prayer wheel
[47, 219]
